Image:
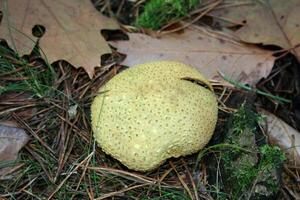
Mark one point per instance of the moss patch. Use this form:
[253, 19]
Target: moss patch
[253, 173]
[159, 12]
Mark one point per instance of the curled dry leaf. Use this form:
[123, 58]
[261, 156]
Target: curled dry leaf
[267, 22]
[283, 135]
[206, 51]
[72, 30]
[12, 139]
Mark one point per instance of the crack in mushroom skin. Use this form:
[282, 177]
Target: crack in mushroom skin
[199, 82]
[149, 114]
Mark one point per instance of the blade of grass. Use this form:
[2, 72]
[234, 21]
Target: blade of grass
[248, 88]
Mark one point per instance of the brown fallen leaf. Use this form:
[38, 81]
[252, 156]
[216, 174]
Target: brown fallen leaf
[206, 51]
[12, 139]
[281, 134]
[72, 30]
[267, 22]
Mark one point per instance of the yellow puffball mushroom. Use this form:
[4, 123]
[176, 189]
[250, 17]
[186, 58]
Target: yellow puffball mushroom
[152, 112]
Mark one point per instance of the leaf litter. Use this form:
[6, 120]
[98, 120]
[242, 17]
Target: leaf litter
[283, 135]
[266, 22]
[205, 50]
[72, 30]
[12, 139]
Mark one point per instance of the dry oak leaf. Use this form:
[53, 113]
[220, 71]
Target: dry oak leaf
[270, 22]
[204, 50]
[72, 30]
[281, 134]
[12, 139]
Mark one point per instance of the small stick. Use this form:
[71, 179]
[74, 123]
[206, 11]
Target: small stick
[121, 191]
[68, 176]
[181, 181]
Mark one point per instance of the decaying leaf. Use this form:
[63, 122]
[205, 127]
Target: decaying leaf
[12, 139]
[283, 135]
[72, 30]
[207, 51]
[267, 22]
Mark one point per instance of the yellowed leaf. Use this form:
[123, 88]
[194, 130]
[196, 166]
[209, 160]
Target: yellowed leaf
[72, 30]
[268, 22]
[206, 51]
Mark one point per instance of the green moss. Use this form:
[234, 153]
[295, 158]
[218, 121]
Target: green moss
[249, 174]
[271, 157]
[244, 119]
[246, 175]
[158, 13]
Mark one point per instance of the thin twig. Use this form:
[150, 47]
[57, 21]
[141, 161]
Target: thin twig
[33, 133]
[116, 193]
[68, 176]
[181, 181]
[191, 179]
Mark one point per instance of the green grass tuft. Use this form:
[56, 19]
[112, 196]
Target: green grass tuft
[158, 13]
[33, 79]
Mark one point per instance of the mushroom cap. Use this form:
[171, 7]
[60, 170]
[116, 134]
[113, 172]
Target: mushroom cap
[152, 112]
